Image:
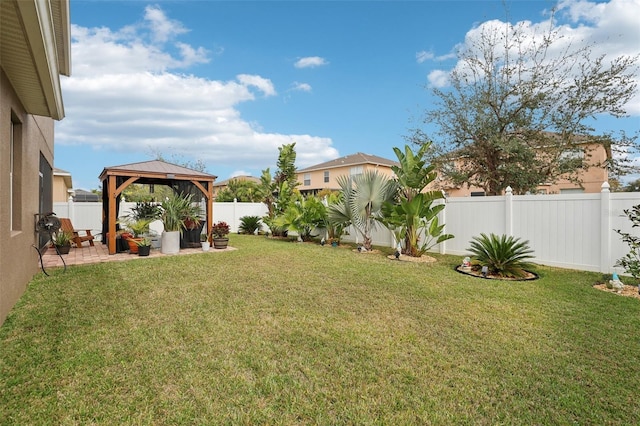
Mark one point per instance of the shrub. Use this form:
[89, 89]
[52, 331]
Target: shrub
[249, 224]
[504, 256]
[631, 262]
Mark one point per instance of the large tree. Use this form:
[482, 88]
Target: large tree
[519, 109]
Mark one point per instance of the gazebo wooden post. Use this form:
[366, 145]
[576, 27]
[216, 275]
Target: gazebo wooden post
[207, 191]
[209, 210]
[111, 186]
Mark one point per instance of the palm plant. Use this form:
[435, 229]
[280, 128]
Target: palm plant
[362, 198]
[175, 210]
[413, 220]
[335, 230]
[414, 214]
[303, 216]
[503, 256]
[249, 224]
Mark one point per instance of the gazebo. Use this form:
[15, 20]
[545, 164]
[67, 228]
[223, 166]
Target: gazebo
[115, 179]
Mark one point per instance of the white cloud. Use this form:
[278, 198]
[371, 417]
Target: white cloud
[162, 28]
[438, 78]
[123, 96]
[310, 62]
[262, 84]
[301, 87]
[424, 56]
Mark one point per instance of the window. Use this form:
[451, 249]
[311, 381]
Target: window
[15, 174]
[326, 176]
[357, 170]
[46, 193]
[307, 179]
[575, 154]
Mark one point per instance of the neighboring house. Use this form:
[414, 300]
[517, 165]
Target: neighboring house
[34, 51]
[324, 175]
[222, 185]
[62, 186]
[590, 180]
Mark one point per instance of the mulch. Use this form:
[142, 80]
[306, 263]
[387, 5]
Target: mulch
[478, 274]
[628, 290]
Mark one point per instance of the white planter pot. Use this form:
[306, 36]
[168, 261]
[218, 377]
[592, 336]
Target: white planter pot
[170, 242]
[206, 245]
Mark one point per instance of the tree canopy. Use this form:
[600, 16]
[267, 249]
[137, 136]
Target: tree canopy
[520, 107]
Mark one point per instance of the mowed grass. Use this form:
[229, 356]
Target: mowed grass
[288, 333]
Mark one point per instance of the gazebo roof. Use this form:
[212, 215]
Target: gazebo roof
[156, 169]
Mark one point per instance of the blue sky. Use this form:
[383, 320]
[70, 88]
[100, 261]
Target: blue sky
[227, 83]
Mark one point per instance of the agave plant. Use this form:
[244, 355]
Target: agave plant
[503, 256]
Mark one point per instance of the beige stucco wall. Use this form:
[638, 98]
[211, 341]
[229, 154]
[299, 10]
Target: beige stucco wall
[60, 190]
[18, 258]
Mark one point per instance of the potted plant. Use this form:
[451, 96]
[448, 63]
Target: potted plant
[144, 246]
[193, 225]
[204, 241]
[219, 232]
[175, 209]
[62, 241]
[138, 228]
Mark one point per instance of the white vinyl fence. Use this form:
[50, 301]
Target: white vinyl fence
[566, 230]
[89, 215]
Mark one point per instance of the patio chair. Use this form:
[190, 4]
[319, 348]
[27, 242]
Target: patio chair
[66, 225]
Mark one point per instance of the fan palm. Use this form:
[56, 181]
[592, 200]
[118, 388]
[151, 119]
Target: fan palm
[363, 196]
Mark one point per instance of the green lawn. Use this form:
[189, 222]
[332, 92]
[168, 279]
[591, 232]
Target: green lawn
[287, 333]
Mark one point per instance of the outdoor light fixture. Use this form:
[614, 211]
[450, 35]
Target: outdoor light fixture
[485, 271]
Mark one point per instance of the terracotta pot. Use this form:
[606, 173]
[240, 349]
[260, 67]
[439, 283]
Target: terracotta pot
[133, 247]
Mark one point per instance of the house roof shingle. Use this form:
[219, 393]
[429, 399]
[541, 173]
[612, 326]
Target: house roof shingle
[351, 160]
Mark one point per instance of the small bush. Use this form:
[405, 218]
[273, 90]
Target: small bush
[249, 224]
[504, 256]
[631, 262]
